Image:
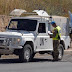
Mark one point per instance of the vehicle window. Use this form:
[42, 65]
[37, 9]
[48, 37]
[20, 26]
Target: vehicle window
[13, 25]
[42, 28]
[23, 24]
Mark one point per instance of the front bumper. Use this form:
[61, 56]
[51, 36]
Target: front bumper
[9, 49]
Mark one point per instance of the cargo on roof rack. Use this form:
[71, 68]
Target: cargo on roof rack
[19, 12]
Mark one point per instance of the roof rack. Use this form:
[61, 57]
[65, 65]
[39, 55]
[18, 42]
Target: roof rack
[19, 12]
[41, 13]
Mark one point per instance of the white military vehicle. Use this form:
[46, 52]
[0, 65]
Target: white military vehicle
[26, 36]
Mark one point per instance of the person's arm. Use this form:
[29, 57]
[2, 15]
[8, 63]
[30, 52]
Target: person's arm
[54, 33]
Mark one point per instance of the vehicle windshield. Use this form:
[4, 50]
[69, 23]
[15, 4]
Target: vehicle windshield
[22, 24]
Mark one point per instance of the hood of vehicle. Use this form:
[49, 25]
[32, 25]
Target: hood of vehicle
[16, 33]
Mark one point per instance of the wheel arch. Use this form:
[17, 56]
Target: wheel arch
[30, 43]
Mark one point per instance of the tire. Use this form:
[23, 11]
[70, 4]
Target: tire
[26, 53]
[60, 51]
[0, 56]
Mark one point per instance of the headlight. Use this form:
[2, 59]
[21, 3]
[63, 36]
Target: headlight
[13, 41]
[18, 40]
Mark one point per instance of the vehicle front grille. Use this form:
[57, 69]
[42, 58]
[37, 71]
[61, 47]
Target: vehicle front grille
[1, 42]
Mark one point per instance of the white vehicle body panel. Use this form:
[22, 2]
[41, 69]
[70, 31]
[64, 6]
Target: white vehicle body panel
[66, 40]
[41, 41]
[44, 43]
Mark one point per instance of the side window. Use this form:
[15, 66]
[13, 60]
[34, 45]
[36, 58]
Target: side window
[42, 28]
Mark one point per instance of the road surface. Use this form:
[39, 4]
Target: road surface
[41, 63]
[41, 66]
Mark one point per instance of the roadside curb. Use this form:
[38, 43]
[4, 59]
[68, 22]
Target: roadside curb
[68, 50]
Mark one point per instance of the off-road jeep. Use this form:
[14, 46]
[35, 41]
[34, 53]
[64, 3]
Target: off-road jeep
[26, 36]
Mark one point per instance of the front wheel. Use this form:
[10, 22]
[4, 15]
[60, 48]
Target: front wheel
[60, 53]
[26, 53]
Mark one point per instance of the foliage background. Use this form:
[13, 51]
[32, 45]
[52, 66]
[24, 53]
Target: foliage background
[55, 7]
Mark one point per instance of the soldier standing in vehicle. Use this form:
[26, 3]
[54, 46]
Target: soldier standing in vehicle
[56, 39]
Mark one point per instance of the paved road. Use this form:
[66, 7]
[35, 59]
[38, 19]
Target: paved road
[41, 66]
[42, 63]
